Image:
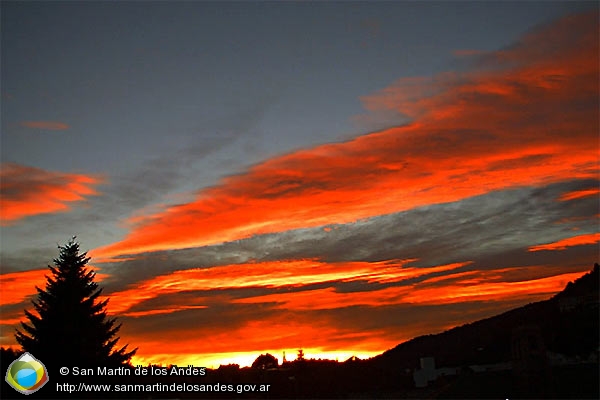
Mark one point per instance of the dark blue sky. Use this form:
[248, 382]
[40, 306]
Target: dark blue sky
[138, 79]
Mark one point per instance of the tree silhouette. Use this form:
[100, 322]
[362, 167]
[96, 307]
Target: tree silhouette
[265, 361]
[72, 325]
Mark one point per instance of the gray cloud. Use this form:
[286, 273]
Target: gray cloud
[480, 229]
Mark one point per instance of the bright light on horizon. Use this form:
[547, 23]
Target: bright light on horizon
[245, 359]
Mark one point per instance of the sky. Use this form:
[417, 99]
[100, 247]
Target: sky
[337, 177]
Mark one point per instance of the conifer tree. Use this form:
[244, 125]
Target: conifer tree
[72, 326]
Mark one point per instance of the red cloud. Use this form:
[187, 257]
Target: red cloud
[568, 242]
[579, 194]
[47, 125]
[268, 275]
[27, 191]
[22, 284]
[294, 325]
[527, 116]
[466, 287]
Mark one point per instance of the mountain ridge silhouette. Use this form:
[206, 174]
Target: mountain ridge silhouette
[568, 322]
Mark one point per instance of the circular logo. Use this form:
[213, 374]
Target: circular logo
[26, 374]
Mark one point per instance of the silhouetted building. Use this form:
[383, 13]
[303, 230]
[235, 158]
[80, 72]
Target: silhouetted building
[530, 362]
[429, 373]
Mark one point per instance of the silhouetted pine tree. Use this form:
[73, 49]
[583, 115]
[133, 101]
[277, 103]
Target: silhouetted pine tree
[72, 328]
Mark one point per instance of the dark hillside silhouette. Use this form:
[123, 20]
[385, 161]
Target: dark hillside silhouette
[71, 323]
[549, 349]
[568, 323]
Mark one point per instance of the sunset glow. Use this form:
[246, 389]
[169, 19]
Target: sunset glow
[247, 185]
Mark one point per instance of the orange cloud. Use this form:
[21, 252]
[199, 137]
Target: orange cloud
[294, 273]
[27, 191]
[22, 284]
[530, 118]
[282, 333]
[461, 290]
[480, 290]
[296, 325]
[12, 319]
[296, 322]
[568, 242]
[579, 194]
[47, 125]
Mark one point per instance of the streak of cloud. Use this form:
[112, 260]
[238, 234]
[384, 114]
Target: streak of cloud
[46, 125]
[568, 242]
[22, 284]
[579, 194]
[467, 52]
[268, 275]
[27, 191]
[465, 288]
